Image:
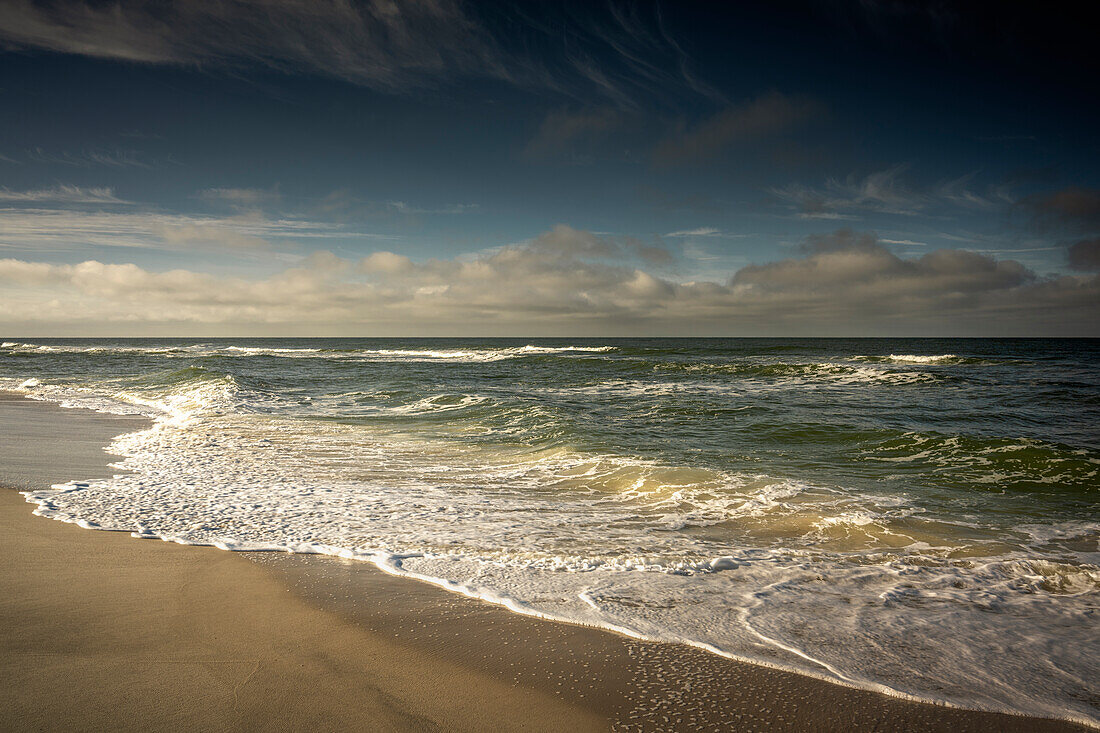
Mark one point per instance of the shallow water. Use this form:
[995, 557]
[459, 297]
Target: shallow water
[915, 516]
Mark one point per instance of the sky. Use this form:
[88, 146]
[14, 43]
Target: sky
[447, 168]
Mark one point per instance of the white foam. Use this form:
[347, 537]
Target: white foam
[814, 376]
[914, 358]
[923, 359]
[413, 355]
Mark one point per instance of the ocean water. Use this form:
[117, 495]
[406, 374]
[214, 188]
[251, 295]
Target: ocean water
[919, 517]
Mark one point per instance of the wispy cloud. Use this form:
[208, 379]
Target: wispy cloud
[700, 232]
[376, 43]
[885, 192]
[92, 158]
[693, 251]
[30, 229]
[958, 191]
[241, 200]
[620, 52]
[881, 191]
[615, 53]
[908, 242]
[403, 208]
[704, 232]
[64, 194]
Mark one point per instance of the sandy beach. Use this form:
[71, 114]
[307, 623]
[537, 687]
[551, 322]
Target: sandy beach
[103, 631]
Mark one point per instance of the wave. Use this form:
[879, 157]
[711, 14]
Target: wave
[929, 359]
[998, 464]
[801, 373]
[438, 403]
[174, 395]
[208, 350]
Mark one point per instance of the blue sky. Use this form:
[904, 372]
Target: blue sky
[547, 169]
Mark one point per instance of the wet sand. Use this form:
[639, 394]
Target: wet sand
[103, 631]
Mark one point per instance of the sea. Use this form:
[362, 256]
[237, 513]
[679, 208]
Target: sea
[919, 517]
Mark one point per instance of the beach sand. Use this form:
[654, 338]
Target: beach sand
[104, 631]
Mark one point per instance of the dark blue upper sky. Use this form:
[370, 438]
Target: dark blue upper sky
[694, 144]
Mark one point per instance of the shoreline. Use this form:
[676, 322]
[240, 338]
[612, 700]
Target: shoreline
[382, 633]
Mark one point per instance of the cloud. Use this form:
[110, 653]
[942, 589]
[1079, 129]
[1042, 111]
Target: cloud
[871, 273]
[92, 158]
[700, 232]
[704, 232]
[567, 281]
[884, 192]
[956, 191]
[347, 206]
[215, 235]
[581, 51]
[1084, 255]
[621, 51]
[240, 198]
[652, 255]
[38, 228]
[403, 208]
[379, 44]
[771, 115]
[1074, 208]
[565, 133]
[881, 191]
[1069, 213]
[64, 194]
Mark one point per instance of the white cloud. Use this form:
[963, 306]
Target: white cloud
[37, 228]
[239, 197]
[700, 232]
[562, 282]
[63, 194]
[707, 232]
[884, 192]
[403, 208]
[92, 158]
[693, 251]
